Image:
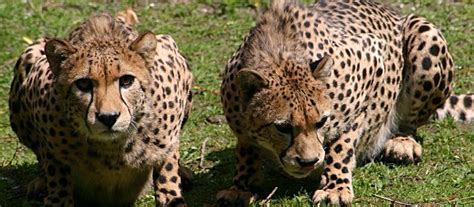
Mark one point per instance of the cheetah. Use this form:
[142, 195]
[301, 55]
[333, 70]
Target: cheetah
[330, 86]
[102, 110]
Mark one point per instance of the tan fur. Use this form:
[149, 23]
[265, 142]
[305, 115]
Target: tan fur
[458, 106]
[128, 16]
[334, 81]
[275, 64]
[263, 50]
[102, 110]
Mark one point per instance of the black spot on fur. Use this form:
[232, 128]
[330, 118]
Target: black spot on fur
[346, 160]
[161, 179]
[434, 50]
[51, 170]
[350, 152]
[423, 28]
[169, 166]
[172, 192]
[427, 86]
[462, 116]
[379, 72]
[329, 160]
[436, 100]
[426, 63]
[174, 179]
[453, 100]
[63, 182]
[467, 101]
[176, 202]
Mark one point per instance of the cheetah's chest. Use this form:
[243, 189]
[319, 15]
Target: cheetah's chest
[110, 187]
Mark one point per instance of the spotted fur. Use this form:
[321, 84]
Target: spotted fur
[459, 107]
[102, 110]
[331, 86]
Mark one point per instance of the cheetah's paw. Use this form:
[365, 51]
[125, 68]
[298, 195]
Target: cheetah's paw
[339, 196]
[234, 197]
[403, 150]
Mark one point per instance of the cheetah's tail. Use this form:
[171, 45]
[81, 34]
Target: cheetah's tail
[458, 106]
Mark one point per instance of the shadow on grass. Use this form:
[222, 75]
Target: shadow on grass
[209, 182]
[205, 185]
[13, 184]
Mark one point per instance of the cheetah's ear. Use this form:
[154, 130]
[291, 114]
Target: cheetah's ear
[321, 69]
[57, 51]
[145, 45]
[250, 82]
[128, 16]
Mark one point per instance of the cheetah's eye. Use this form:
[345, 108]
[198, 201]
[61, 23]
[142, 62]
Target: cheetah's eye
[84, 84]
[284, 127]
[126, 81]
[321, 122]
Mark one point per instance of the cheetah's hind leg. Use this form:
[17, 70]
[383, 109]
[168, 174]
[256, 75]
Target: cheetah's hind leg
[427, 77]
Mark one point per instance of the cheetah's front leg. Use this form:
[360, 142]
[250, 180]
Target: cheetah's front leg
[336, 181]
[246, 179]
[167, 183]
[58, 184]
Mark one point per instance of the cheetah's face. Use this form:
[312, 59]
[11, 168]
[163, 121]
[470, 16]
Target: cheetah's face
[286, 113]
[105, 84]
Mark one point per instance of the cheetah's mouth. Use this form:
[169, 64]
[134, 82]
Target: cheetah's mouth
[298, 172]
[109, 134]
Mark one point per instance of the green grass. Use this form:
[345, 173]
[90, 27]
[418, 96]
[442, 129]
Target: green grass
[208, 32]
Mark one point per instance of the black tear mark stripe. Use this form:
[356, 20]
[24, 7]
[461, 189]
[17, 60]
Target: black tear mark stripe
[123, 100]
[88, 110]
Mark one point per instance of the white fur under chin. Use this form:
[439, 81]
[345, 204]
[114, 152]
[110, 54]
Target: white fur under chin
[300, 174]
[108, 136]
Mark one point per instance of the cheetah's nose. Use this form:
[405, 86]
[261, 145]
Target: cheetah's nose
[306, 162]
[108, 119]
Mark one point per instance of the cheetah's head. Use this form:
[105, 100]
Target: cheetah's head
[285, 107]
[102, 83]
